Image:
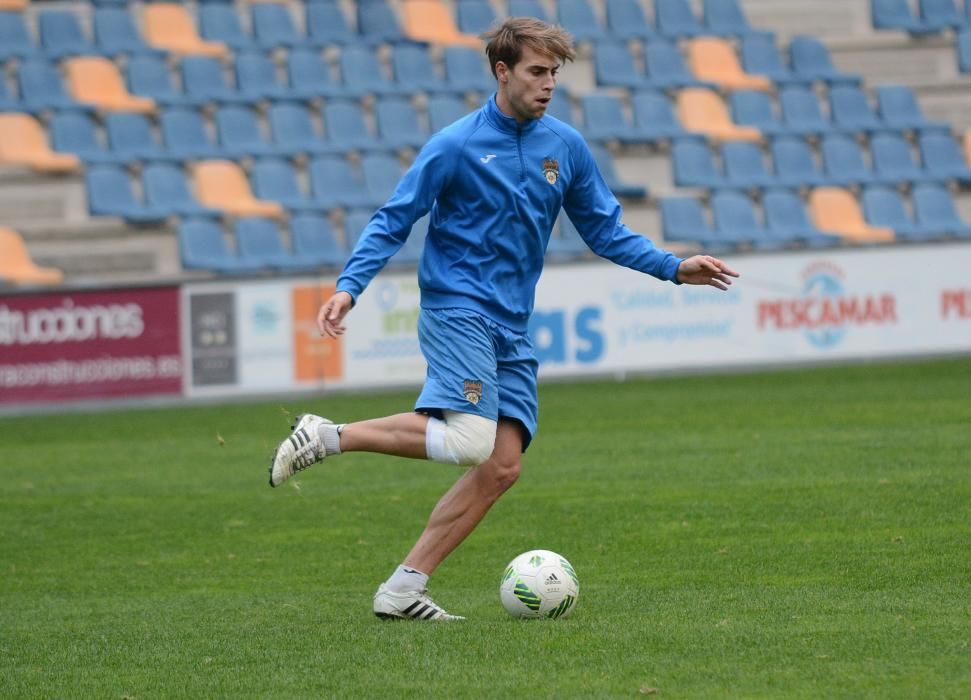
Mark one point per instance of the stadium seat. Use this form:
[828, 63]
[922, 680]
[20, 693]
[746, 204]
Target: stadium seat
[314, 241]
[167, 189]
[41, 87]
[614, 66]
[202, 246]
[185, 135]
[693, 165]
[258, 240]
[528, 8]
[754, 108]
[61, 35]
[899, 109]
[204, 79]
[654, 118]
[967, 147]
[382, 172]
[786, 219]
[761, 56]
[941, 157]
[604, 120]
[23, 142]
[810, 59]
[795, 164]
[8, 101]
[346, 127]
[683, 221]
[310, 76]
[701, 110]
[735, 221]
[627, 20]
[15, 38]
[18, 268]
[397, 123]
[130, 135]
[466, 68]
[664, 67]
[431, 21]
[850, 110]
[378, 23]
[714, 60]
[220, 22]
[294, 131]
[565, 242]
[256, 77]
[96, 80]
[607, 168]
[676, 20]
[169, 26]
[963, 40]
[149, 76]
[896, 15]
[275, 180]
[884, 207]
[474, 16]
[240, 133]
[726, 18]
[836, 210]
[844, 162]
[222, 184]
[893, 160]
[273, 26]
[77, 133]
[935, 210]
[326, 24]
[744, 165]
[443, 110]
[579, 18]
[354, 224]
[415, 71]
[362, 72]
[335, 184]
[802, 113]
[110, 193]
[940, 13]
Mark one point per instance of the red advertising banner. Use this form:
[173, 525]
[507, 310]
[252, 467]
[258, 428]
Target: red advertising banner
[90, 344]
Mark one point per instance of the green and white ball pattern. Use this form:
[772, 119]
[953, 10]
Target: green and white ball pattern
[539, 583]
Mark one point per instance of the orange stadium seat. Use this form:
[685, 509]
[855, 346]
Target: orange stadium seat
[222, 184]
[431, 21]
[169, 26]
[835, 210]
[97, 80]
[703, 110]
[23, 141]
[13, 5]
[16, 265]
[715, 60]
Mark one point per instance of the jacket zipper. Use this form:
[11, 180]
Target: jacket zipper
[519, 147]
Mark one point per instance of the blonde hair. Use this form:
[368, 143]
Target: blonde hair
[506, 42]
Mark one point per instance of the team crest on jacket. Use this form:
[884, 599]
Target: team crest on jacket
[551, 169]
[472, 390]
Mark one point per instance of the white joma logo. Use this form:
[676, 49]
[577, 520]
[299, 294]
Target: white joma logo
[486, 159]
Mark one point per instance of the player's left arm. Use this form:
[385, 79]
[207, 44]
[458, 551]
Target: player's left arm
[705, 270]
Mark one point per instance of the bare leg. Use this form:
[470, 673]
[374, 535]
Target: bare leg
[466, 503]
[402, 435]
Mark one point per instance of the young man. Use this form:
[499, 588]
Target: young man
[494, 182]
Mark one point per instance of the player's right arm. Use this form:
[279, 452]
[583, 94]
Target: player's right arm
[330, 318]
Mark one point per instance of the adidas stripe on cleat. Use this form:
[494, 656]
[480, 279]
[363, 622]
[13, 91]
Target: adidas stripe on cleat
[300, 450]
[408, 605]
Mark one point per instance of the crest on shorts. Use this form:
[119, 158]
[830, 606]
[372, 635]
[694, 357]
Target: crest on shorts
[472, 390]
[551, 169]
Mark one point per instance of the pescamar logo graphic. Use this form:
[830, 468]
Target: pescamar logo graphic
[826, 311]
[551, 169]
[472, 390]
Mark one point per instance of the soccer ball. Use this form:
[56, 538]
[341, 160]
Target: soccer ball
[539, 583]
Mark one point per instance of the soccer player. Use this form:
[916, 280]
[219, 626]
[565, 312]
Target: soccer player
[494, 182]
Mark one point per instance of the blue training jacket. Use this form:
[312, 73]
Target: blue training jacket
[495, 188]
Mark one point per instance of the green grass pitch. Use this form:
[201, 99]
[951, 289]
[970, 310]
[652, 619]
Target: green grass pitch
[787, 534]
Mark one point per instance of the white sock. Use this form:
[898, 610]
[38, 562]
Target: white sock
[330, 435]
[407, 579]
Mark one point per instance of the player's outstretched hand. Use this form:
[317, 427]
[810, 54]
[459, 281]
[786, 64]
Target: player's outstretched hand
[704, 269]
[330, 318]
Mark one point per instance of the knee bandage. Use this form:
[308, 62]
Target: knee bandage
[462, 438]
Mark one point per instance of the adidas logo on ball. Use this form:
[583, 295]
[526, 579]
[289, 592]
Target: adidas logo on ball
[551, 580]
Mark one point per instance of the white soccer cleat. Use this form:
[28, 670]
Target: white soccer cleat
[408, 605]
[302, 449]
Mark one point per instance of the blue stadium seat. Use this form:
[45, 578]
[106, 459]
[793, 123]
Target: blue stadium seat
[761, 56]
[744, 165]
[963, 39]
[755, 108]
[256, 77]
[474, 16]
[726, 18]
[202, 246]
[378, 23]
[565, 243]
[362, 72]
[382, 172]
[275, 179]
[273, 26]
[604, 120]
[61, 35]
[897, 15]
[627, 20]
[346, 127]
[326, 24]
[41, 87]
[166, 188]
[528, 8]
[942, 157]
[110, 193]
[397, 123]
[149, 76]
[694, 165]
[801, 112]
[899, 109]
[605, 164]
[221, 22]
[578, 18]
[445, 109]
[736, 222]
[883, 206]
[8, 101]
[893, 161]
[850, 110]
[935, 211]
[259, 240]
[335, 184]
[240, 134]
[77, 133]
[466, 68]
[614, 66]
[15, 38]
[354, 225]
[310, 76]
[185, 135]
[130, 135]
[203, 79]
[293, 130]
[116, 34]
[676, 20]
[940, 13]
[683, 221]
[810, 59]
[415, 71]
[313, 239]
[664, 67]
[654, 117]
[786, 219]
[794, 163]
[844, 162]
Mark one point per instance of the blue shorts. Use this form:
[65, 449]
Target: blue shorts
[478, 366]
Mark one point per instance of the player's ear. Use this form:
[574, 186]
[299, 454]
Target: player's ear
[502, 71]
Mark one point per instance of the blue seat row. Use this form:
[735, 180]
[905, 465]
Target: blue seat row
[932, 16]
